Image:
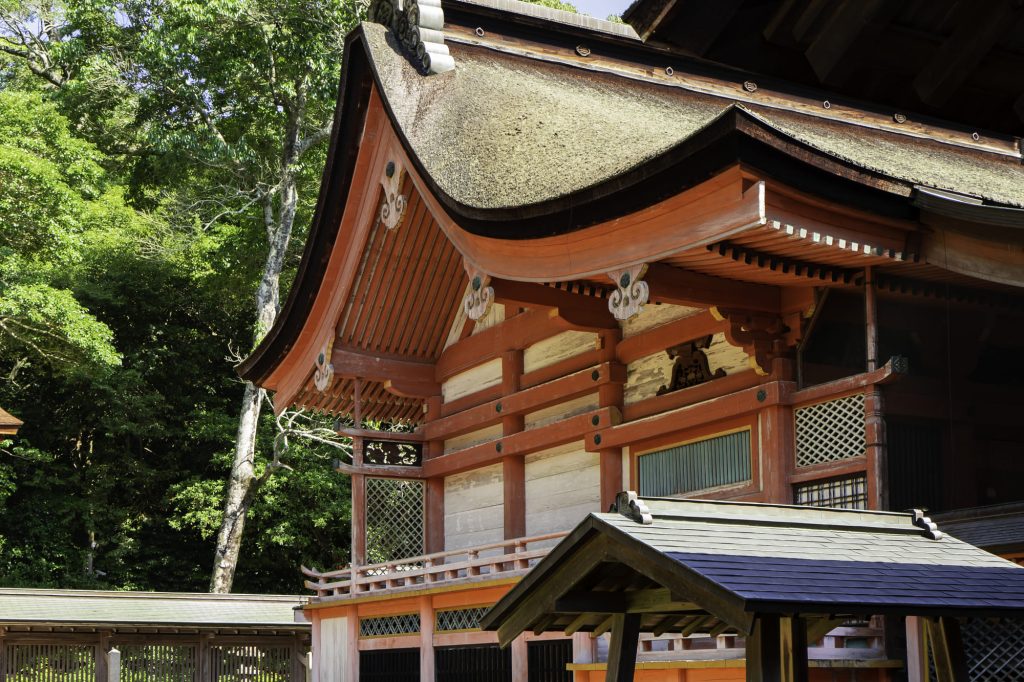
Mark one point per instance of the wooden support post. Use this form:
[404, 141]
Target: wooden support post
[610, 395]
[513, 468]
[793, 641]
[358, 485]
[102, 647]
[778, 452]
[917, 661]
[622, 649]
[433, 526]
[426, 639]
[520, 659]
[763, 648]
[351, 645]
[871, 321]
[947, 647]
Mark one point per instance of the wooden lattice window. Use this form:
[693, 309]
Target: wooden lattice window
[708, 463]
[830, 430]
[849, 492]
[394, 519]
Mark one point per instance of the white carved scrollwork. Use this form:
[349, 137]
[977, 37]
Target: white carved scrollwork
[480, 296]
[324, 372]
[631, 292]
[418, 26]
[392, 210]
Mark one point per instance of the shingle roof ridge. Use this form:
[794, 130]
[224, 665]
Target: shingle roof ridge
[139, 594]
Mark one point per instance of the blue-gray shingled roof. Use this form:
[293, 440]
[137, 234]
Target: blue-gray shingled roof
[148, 608]
[736, 560]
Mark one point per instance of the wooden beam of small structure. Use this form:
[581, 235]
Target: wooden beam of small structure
[658, 600]
[946, 644]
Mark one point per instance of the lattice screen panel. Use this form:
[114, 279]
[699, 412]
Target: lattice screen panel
[850, 492]
[394, 519]
[830, 431]
[250, 663]
[994, 649]
[459, 619]
[164, 662]
[389, 626]
[49, 663]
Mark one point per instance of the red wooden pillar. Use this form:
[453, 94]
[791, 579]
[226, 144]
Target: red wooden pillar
[358, 484]
[874, 412]
[434, 516]
[513, 469]
[610, 395]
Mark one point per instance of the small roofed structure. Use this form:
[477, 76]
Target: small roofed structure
[779, 575]
[9, 424]
[87, 635]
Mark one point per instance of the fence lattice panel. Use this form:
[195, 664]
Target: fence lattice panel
[394, 519]
[389, 626]
[994, 649]
[830, 431]
[459, 619]
[49, 663]
[250, 663]
[164, 662]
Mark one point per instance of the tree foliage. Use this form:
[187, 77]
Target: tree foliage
[141, 176]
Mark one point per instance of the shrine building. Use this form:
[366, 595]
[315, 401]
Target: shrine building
[743, 251]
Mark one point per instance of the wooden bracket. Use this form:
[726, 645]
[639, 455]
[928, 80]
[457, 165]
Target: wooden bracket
[323, 373]
[631, 291]
[760, 335]
[480, 295]
[392, 210]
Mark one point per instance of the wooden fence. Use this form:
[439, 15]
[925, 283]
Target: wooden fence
[206, 660]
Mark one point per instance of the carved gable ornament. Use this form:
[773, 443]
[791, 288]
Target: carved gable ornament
[418, 26]
[690, 365]
[323, 370]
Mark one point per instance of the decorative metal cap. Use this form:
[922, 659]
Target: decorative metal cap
[931, 529]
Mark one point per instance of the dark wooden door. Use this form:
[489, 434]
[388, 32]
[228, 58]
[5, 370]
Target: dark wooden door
[389, 665]
[473, 664]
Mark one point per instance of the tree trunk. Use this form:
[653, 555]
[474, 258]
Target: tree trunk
[240, 484]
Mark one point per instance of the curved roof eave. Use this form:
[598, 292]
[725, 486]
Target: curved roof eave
[735, 135]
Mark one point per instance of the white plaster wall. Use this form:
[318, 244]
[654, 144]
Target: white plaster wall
[653, 316]
[648, 374]
[561, 411]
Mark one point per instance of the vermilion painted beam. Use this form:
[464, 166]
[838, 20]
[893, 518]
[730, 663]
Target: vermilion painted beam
[529, 295]
[528, 400]
[524, 443]
[351, 363]
[681, 287]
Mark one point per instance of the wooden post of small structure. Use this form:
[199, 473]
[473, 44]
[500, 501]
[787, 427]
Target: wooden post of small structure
[764, 663]
[793, 652]
[358, 486]
[947, 647]
[622, 648]
[610, 395]
[520, 659]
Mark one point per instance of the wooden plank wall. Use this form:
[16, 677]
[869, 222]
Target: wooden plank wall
[473, 507]
[562, 486]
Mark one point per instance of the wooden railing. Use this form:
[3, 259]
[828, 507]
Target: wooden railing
[508, 558]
